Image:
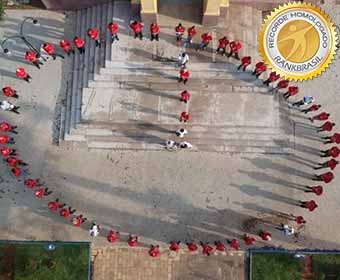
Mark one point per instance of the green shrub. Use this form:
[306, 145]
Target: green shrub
[2, 8]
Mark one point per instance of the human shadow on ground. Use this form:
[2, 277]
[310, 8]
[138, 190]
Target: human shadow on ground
[150, 91]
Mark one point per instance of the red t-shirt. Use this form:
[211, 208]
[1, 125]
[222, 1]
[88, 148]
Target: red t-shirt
[53, 206]
[21, 73]
[327, 126]
[5, 152]
[133, 241]
[311, 205]
[248, 240]
[185, 95]
[113, 27]
[65, 213]
[273, 77]
[4, 139]
[93, 33]
[49, 48]
[235, 46]
[192, 247]
[334, 152]
[260, 67]
[154, 29]
[327, 177]
[31, 183]
[79, 42]
[314, 107]
[154, 252]
[336, 138]
[206, 38]
[39, 193]
[191, 32]
[235, 244]
[77, 221]
[265, 235]
[65, 45]
[246, 60]
[179, 29]
[4, 126]
[112, 236]
[184, 74]
[332, 164]
[223, 43]
[299, 220]
[293, 90]
[12, 161]
[31, 56]
[16, 171]
[8, 91]
[137, 28]
[220, 246]
[185, 115]
[317, 190]
[322, 116]
[207, 249]
[283, 84]
[174, 247]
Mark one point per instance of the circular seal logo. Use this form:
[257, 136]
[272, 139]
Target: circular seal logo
[298, 41]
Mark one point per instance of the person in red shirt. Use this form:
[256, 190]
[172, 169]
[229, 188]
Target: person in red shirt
[31, 183]
[113, 28]
[79, 42]
[273, 77]
[335, 138]
[327, 126]
[137, 28]
[222, 45]
[298, 219]
[332, 152]
[312, 108]
[206, 38]
[265, 235]
[6, 127]
[310, 205]
[282, 85]
[133, 241]
[260, 68]
[235, 47]
[18, 172]
[248, 240]
[191, 34]
[184, 75]
[78, 220]
[192, 246]
[55, 205]
[113, 236]
[67, 212]
[320, 117]
[220, 246]
[32, 56]
[4, 139]
[22, 74]
[154, 251]
[174, 246]
[50, 50]
[14, 162]
[66, 46]
[291, 92]
[10, 92]
[185, 96]
[206, 248]
[245, 61]
[40, 193]
[179, 29]
[93, 34]
[6, 152]
[154, 30]
[332, 163]
[325, 177]
[185, 116]
[318, 190]
[234, 244]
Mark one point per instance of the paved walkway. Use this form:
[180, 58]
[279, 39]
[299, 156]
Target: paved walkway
[131, 264]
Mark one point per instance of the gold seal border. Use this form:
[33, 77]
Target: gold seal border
[331, 52]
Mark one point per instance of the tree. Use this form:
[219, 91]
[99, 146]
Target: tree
[2, 8]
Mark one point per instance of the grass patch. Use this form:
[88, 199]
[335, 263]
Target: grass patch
[326, 266]
[275, 266]
[32, 261]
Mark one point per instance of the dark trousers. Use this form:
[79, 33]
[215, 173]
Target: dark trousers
[98, 44]
[221, 50]
[154, 37]
[235, 55]
[37, 63]
[54, 55]
[182, 80]
[15, 110]
[243, 67]
[28, 79]
[70, 52]
[81, 50]
[114, 37]
[140, 35]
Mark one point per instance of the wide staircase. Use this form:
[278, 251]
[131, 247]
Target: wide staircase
[126, 96]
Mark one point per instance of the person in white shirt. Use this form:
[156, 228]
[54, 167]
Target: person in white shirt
[170, 144]
[8, 106]
[183, 59]
[185, 145]
[181, 132]
[94, 230]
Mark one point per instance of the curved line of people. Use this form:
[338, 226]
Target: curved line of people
[19, 168]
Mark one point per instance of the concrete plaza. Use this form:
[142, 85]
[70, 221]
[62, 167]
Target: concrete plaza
[160, 196]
